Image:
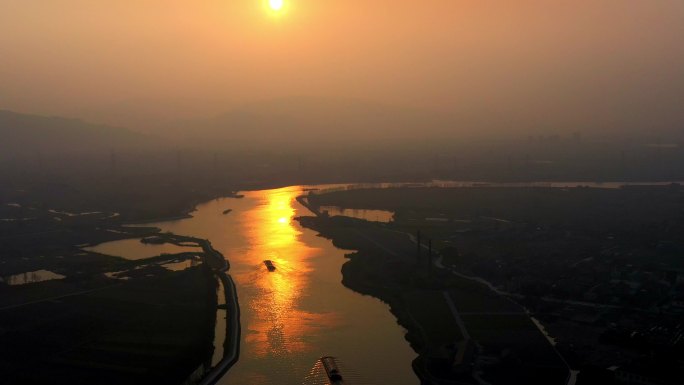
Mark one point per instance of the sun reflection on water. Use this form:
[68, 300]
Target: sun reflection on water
[280, 325]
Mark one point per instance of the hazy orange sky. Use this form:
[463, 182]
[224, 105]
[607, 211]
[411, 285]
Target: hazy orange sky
[602, 62]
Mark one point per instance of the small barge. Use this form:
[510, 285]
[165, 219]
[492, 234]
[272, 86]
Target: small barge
[269, 265]
[332, 370]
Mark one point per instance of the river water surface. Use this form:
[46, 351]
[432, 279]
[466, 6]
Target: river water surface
[301, 311]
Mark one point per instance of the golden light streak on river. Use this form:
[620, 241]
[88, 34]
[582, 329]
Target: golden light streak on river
[280, 326]
[299, 312]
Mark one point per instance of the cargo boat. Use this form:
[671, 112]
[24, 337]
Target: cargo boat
[332, 370]
[269, 265]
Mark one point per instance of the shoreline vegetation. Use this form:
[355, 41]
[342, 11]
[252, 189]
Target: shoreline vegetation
[101, 297]
[374, 269]
[186, 212]
[599, 268]
[391, 269]
[220, 267]
[449, 353]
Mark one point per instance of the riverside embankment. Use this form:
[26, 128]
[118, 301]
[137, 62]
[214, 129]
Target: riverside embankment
[220, 266]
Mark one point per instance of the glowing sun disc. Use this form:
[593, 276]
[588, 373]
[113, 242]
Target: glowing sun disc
[276, 5]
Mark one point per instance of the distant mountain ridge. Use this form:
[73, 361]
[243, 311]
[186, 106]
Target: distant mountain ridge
[317, 120]
[21, 133]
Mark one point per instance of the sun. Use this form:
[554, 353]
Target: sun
[276, 5]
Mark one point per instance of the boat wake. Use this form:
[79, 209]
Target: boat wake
[333, 371]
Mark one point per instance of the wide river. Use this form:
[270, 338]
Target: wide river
[301, 311]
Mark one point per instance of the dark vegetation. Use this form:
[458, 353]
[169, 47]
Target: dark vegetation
[503, 346]
[144, 325]
[154, 330]
[601, 268]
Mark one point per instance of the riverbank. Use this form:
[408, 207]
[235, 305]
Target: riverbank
[580, 259]
[231, 352]
[379, 274]
[461, 345]
[140, 331]
[219, 267]
[185, 212]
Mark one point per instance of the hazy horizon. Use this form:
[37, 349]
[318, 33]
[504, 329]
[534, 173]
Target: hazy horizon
[231, 192]
[606, 66]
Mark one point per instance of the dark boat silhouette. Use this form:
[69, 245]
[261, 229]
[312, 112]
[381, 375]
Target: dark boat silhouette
[331, 370]
[269, 265]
